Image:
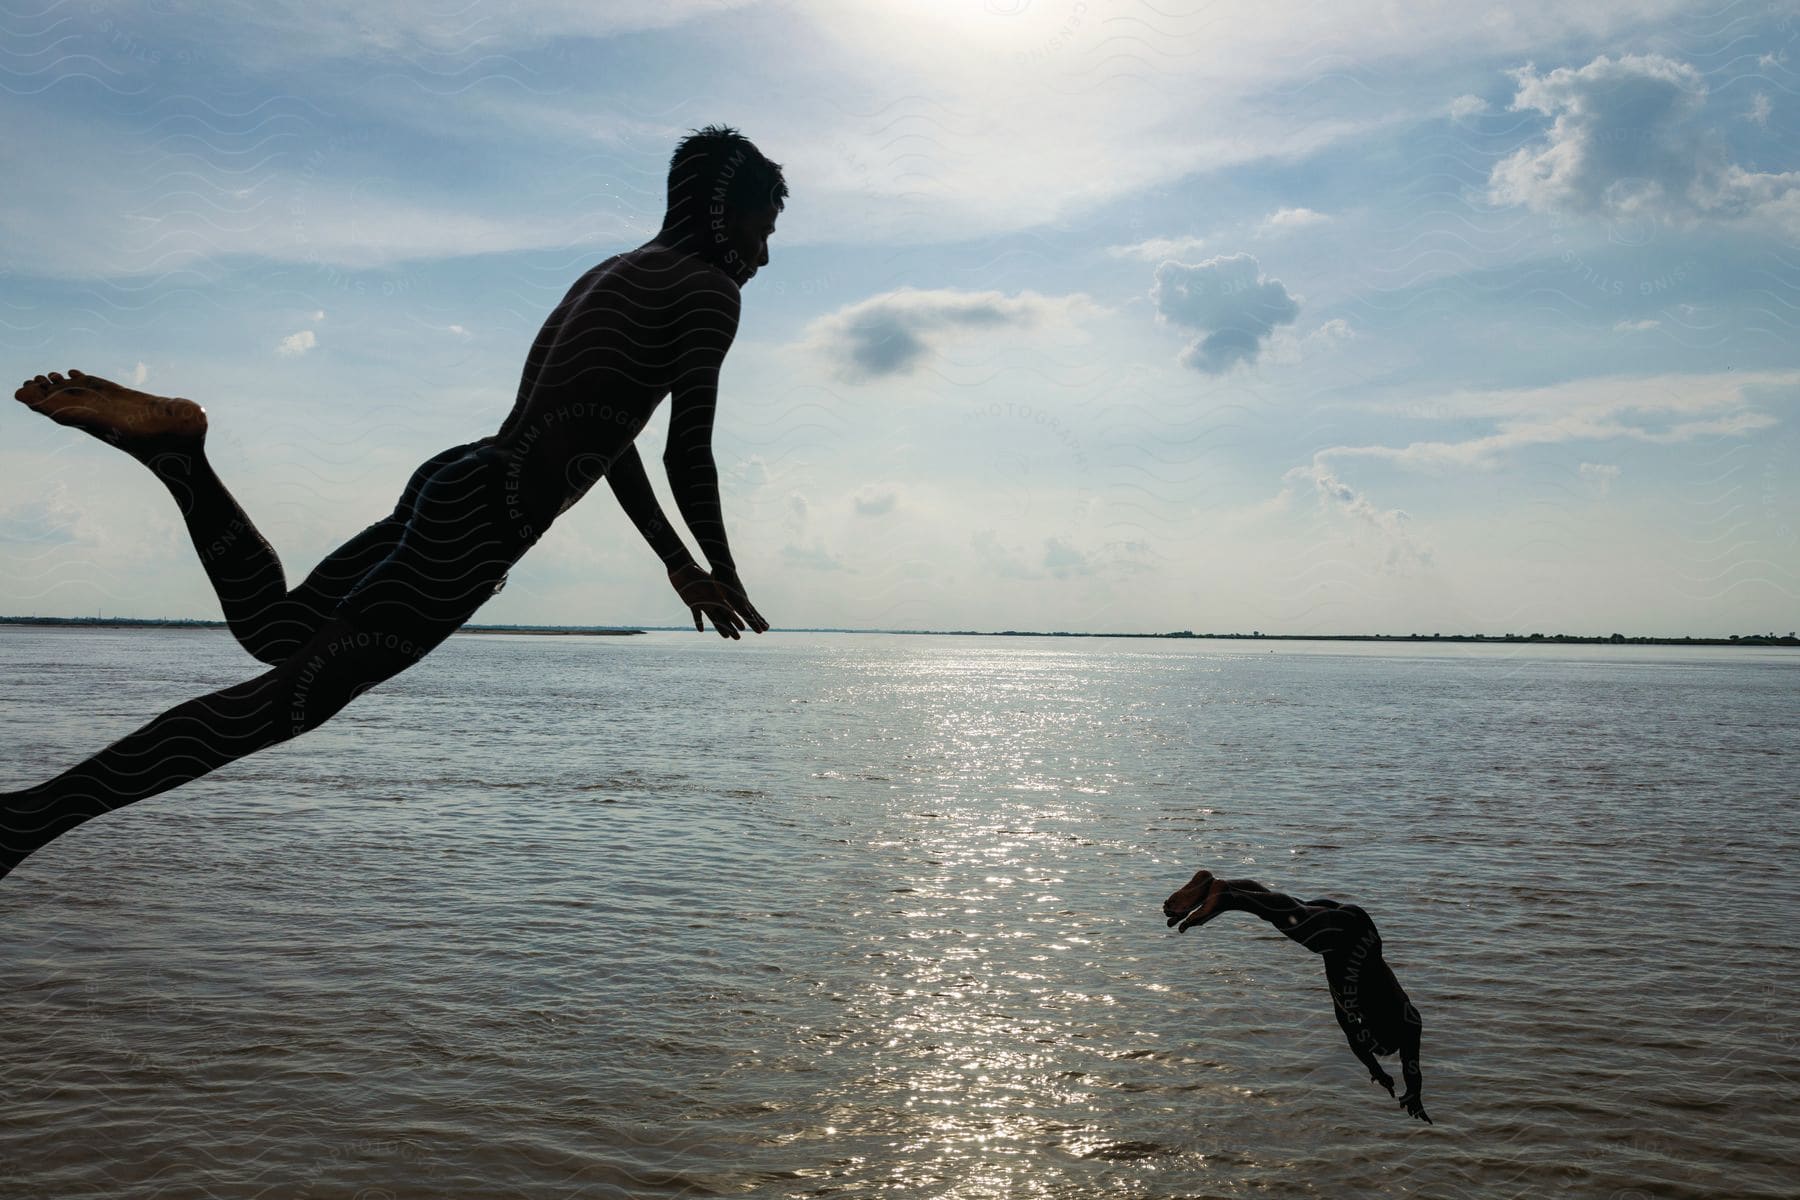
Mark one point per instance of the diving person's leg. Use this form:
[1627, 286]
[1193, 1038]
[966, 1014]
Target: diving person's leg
[286, 626]
[168, 435]
[200, 736]
[1320, 928]
[452, 557]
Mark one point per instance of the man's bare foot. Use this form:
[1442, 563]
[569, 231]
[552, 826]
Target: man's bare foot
[142, 425]
[1196, 894]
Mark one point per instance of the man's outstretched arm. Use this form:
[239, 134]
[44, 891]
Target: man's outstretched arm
[688, 457]
[694, 478]
[631, 486]
[693, 475]
[1358, 1037]
[1413, 1101]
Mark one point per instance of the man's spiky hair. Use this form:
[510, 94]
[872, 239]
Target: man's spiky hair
[718, 170]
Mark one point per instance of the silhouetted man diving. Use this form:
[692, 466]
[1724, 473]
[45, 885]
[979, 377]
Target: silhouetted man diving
[652, 322]
[1371, 1007]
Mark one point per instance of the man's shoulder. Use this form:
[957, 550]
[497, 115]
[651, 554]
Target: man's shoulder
[664, 267]
[681, 289]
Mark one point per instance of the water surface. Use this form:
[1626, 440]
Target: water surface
[878, 916]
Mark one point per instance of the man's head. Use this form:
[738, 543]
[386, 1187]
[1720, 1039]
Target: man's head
[724, 197]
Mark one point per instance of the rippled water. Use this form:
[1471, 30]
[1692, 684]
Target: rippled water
[847, 915]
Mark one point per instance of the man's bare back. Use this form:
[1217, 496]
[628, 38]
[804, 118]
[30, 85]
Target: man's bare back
[632, 330]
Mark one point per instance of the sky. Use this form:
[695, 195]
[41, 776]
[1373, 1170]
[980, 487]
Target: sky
[1294, 317]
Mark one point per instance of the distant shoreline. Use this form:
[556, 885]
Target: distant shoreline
[184, 623]
[1502, 639]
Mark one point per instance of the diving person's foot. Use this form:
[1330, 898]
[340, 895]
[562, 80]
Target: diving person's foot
[1197, 901]
[138, 423]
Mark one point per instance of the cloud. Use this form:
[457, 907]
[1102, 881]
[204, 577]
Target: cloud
[334, 209]
[1629, 141]
[1157, 249]
[1390, 524]
[1760, 108]
[750, 473]
[1599, 475]
[1229, 302]
[401, 32]
[894, 333]
[1000, 559]
[1121, 104]
[1464, 107]
[1635, 326]
[1284, 219]
[296, 344]
[1063, 560]
[797, 509]
[1334, 332]
[139, 374]
[51, 520]
[1288, 346]
[812, 558]
[870, 502]
[1665, 410]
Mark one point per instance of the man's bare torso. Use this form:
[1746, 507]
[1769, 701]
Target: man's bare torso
[623, 337]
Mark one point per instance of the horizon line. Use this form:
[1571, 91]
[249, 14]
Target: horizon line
[1766, 638]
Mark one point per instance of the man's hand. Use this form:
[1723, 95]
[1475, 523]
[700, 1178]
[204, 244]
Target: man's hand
[1380, 1076]
[740, 601]
[1415, 1107]
[711, 596]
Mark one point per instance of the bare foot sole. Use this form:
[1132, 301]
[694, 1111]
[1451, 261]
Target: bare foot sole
[134, 421]
[1209, 908]
[1189, 897]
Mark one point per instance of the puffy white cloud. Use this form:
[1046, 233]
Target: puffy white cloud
[1464, 107]
[894, 333]
[1228, 302]
[139, 374]
[1635, 326]
[1282, 220]
[296, 344]
[1629, 140]
[1334, 332]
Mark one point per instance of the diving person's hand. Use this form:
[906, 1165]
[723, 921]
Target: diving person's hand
[745, 612]
[1415, 1107]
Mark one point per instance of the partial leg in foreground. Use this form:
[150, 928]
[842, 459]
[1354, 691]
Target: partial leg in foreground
[450, 560]
[1322, 926]
[168, 435]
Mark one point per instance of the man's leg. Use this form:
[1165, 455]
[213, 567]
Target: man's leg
[169, 437]
[450, 560]
[205, 733]
[1321, 928]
